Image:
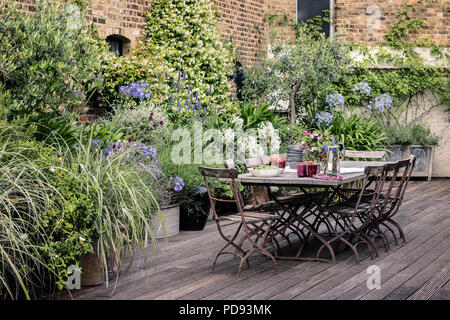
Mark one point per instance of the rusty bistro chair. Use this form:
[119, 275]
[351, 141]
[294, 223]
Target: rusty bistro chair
[255, 225]
[352, 216]
[279, 227]
[390, 199]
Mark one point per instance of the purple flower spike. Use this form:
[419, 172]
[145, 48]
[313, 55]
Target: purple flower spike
[184, 76]
[171, 98]
[189, 90]
[179, 106]
[167, 75]
[151, 116]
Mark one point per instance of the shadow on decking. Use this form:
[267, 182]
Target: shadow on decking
[418, 269]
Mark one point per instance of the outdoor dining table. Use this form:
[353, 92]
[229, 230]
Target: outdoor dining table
[312, 204]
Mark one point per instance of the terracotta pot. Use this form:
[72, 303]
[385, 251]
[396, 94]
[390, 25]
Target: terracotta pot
[91, 271]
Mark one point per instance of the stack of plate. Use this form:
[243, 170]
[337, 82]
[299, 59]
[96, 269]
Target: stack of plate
[294, 156]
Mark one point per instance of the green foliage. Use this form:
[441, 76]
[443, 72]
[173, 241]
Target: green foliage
[410, 134]
[403, 27]
[358, 133]
[254, 115]
[143, 123]
[182, 49]
[302, 74]
[132, 68]
[50, 61]
[313, 26]
[44, 199]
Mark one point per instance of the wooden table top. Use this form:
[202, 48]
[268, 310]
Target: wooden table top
[291, 178]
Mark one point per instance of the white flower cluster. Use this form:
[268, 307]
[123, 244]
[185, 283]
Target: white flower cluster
[237, 121]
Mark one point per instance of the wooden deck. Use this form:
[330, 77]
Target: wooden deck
[419, 269]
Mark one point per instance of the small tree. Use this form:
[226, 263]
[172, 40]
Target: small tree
[306, 70]
[49, 60]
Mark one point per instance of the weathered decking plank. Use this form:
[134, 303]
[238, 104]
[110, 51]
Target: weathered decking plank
[415, 270]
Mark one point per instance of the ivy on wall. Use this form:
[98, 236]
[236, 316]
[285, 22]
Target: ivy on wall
[395, 68]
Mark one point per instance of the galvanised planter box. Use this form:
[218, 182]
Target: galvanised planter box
[424, 158]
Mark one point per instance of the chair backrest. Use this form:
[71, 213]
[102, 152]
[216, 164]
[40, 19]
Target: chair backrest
[396, 178]
[229, 164]
[229, 175]
[376, 155]
[369, 193]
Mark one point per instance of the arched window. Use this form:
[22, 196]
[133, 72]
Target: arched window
[118, 44]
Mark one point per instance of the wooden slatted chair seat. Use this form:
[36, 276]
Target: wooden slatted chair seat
[251, 217]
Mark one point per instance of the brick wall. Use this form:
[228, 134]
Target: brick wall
[352, 18]
[242, 22]
[120, 17]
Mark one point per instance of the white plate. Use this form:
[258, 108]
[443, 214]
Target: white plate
[351, 170]
[266, 172]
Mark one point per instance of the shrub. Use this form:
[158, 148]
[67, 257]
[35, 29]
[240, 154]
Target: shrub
[410, 134]
[185, 34]
[50, 217]
[358, 133]
[50, 60]
[302, 73]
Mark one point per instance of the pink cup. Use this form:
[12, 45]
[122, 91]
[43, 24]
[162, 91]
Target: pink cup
[302, 170]
[312, 169]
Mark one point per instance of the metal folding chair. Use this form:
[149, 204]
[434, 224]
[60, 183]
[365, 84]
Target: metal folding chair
[256, 225]
[353, 216]
[390, 199]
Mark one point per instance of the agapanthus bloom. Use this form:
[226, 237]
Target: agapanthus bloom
[139, 90]
[362, 87]
[324, 118]
[381, 103]
[335, 100]
[178, 183]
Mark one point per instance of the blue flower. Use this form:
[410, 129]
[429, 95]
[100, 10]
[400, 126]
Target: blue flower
[324, 118]
[335, 100]
[177, 183]
[363, 87]
[381, 103]
[139, 90]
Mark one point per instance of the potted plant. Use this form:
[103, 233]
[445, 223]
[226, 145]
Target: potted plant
[194, 211]
[168, 223]
[415, 139]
